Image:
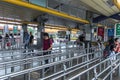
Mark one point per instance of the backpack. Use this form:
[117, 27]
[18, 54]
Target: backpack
[106, 52]
[49, 43]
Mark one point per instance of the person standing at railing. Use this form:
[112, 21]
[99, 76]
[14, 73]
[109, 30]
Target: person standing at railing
[7, 41]
[47, 44]
[1, 38]
[112, 53]
[80, 39]
[47, 47]
[12, 39]
[1, 41]
[31, 40]
[117, 45]
[111, 40]
[26, 39]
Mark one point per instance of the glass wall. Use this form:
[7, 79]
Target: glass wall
[39, 2]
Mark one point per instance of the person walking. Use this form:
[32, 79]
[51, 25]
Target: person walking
[47, 47]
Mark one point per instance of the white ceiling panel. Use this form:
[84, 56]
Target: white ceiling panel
[102, 6]
[95, 6]
[17, 12]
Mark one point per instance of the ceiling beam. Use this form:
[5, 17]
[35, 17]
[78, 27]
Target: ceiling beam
[46, 10]
[117, 3]
[102, 17]
[99, 18]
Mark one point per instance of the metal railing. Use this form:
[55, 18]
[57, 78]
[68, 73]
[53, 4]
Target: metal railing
[11, 43]
[107, 71]
[8, 55]
[66, 63]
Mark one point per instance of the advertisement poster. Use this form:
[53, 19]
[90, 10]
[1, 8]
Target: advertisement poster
[101, 32]
[6, 30]
[110, 32]
[117, 30]
[15, 29]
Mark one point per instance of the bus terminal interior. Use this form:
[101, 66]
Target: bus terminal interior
[80, 30]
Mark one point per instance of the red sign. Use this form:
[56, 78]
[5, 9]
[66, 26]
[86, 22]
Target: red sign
[101, 32]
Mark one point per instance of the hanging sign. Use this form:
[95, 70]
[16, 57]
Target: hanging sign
[6, 30]
[15, 29]
[101, 32]
[110, 32]
[117, 30]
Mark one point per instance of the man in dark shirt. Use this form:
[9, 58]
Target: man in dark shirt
[31, 41]
[0, 38]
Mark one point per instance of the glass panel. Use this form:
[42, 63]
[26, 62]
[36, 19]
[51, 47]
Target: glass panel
[38, 2]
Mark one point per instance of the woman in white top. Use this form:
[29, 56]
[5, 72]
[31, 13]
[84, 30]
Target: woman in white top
[112, 53]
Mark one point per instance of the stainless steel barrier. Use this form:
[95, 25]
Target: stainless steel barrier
[11, 43]
[41, 60]
[29, 65]
[8, 55]
[105, 74]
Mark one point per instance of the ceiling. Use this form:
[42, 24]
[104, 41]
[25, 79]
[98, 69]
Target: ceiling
[17, 12]
[101, 7]
[104, 7]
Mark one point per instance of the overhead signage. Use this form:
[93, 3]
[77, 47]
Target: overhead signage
[101, 32]
[117, 30]
[6, 30]
[15, 29]
[110, 32]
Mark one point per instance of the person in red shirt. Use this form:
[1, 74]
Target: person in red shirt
[47, 47]
[117, 45]
[47, 43]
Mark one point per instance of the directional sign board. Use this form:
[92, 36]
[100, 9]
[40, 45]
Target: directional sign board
[15, 29]
[110, 32]
[101, 32]
[117, 30]
[6, 30]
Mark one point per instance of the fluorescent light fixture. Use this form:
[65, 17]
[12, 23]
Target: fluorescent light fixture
[118, 1]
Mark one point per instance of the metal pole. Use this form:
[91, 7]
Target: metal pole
[119, 70]
[88, 47]
[88, 67]
[64, 66]
[55, 68]
[47, 4]
[111, 69]
[79, 77]
[9, 78]
[29, 76]
[95, 73]
[12, 68]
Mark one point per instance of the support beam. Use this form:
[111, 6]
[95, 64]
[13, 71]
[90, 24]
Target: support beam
[46, 10]
[99, 18]
[102, 17]
[115, 16]
[117, 3]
